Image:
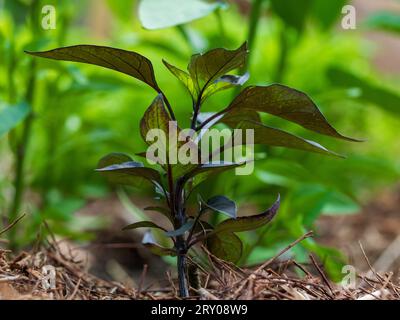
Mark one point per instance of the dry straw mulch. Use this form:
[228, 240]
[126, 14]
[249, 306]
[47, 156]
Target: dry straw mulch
[22, 277]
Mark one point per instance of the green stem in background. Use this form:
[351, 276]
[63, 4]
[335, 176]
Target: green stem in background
[23, 141]
[221, 27]
[255, 14]
[283, 55]
[20, 154]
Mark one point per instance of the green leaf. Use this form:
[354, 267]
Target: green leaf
[222, 205]
[127, 172]
[368, 92]
[266, 135]
[286, 103]
[11, 116]
[205, 69]
[180, 231]
[226, 246]
[142, 224]
[249, 222]
[184, 77]
[225, 82]
[384, 20]
[150, 243]
[127, 62]
[159, 14]
[155, 117]
[292, 12]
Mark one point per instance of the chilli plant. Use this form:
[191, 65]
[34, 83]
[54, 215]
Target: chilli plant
[206, 75]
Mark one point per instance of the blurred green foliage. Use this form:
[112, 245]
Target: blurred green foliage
[80, 112]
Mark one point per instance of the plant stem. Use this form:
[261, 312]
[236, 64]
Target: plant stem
[253, 27]
[21, 153]
[283, 57]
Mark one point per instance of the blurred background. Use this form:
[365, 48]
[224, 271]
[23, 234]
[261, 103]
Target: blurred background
[58, 119]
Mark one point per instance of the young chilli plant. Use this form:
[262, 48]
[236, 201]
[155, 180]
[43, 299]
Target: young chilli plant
[206, 75]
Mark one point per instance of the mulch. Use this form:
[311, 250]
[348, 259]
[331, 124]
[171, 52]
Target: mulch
[26, 276]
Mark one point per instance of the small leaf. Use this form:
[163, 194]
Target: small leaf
[225, 82]
[222, 205]
[150, 243]
[125, 173]
[184, 77]
[286, 103]
[226, 246]
[142, 224]
[249, 222]
[155, 117]
[206, 68]
[11, 116]
[159, 14]
[178, 232]
[128, 62]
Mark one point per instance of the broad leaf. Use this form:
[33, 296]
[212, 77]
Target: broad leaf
[125, 173]
[266, 135]
[222, 205]
[326, 13]
[248, 223]
[226, 246]
[150, 243]
[207, 68]
[158, 14]
[178, 232]
[287, 103]
[128, 62]
[11, 116]
[143, 224]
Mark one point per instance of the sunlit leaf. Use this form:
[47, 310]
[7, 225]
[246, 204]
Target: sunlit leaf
[158, 14]
[11, 116]
[184, 77]
[207, 68]
[287, 103]
[226, 246]
[249, 222]
[142, 224]
[128, 62]
[225, 82]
